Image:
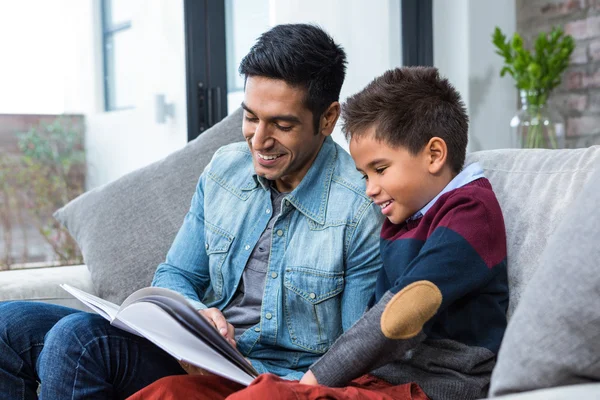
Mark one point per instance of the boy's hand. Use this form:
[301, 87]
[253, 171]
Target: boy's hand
[309, 379]
[216, 317]
[192, 369]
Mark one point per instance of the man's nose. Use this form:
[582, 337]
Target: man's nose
[261, 138]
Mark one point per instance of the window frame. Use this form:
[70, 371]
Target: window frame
[109, 30]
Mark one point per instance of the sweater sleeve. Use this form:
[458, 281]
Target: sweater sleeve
[361, 349]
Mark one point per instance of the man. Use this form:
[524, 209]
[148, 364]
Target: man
[279, 250]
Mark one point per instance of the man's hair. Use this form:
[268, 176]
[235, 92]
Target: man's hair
[303, 56]
[408, 106]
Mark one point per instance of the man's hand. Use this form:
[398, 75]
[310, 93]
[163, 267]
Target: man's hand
[215, 317]
[309, 379]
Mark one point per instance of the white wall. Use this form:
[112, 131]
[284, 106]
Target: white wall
[369, 31]
[464, 53]
[119, 142]
[82, 65]
[34, 55]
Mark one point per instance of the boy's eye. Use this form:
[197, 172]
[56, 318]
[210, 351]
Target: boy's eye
[365, 177]
[379, 171]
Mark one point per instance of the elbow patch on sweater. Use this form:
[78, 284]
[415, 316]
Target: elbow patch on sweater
[409, 309]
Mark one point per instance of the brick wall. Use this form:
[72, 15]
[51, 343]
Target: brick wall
[578, 97]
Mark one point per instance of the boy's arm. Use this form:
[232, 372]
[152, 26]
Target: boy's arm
[361, 349]
[447, 268]
[465, 250]
[186, 267]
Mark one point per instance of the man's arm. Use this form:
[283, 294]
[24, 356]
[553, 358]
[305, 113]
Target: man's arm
[363, 262]
[186, 267]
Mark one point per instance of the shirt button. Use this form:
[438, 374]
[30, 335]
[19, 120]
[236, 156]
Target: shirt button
[268, 315]
[279, 232]
[268, 211]
[287, 203]
[257, 329]
[206, 246]
[247, 247]
[312, 296]
[273, 275]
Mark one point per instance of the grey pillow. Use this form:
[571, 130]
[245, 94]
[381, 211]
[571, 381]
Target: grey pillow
[535, 187]
[553, 338]
[125, 228]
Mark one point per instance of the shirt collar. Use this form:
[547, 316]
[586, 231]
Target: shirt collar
[310, 196]
[467, 175]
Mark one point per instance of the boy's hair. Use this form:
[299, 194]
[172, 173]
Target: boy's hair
[304, 56]
[408, 106]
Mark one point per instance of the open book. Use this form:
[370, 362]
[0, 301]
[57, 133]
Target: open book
[167, 319]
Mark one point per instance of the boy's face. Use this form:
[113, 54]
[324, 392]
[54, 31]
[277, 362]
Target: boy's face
[398, 182]
[279, 131]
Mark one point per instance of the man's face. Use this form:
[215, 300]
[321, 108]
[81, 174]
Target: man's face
[397, 181]
[279, 131]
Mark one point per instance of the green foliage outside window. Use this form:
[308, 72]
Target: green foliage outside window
[47, 174]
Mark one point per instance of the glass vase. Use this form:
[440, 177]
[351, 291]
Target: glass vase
[537, 126]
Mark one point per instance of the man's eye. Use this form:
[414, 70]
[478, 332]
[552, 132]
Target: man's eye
[284, 128]
[251, 119]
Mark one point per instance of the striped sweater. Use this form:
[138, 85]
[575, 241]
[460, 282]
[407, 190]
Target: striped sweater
[458, 247]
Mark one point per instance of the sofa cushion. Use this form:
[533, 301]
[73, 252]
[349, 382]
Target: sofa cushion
[572, 392]
[553, 337]
[535, 187]
[125, 228]
[42, 284]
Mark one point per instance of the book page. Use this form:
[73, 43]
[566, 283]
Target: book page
[161, 329]
[150, 291]
[102, 307]
[105, 308]
[180, 309]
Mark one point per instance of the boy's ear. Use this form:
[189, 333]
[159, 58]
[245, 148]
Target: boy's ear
[329, 118]
[437, 154]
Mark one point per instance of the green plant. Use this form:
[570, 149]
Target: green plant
[536, 73]
[540, 72]
[51, 173]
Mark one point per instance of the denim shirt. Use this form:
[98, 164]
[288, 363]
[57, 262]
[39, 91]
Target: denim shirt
[323, 263]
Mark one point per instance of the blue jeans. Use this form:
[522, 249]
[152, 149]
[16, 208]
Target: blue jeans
[74, 354]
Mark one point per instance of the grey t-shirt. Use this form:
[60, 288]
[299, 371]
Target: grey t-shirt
[244, 310]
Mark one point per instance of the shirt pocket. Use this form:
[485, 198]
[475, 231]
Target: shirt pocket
[312, 307]
[217, 244]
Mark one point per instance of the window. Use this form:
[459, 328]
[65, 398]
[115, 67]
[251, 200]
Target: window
[119, 55]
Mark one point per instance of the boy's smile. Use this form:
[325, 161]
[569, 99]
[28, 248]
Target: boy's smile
[399, 182]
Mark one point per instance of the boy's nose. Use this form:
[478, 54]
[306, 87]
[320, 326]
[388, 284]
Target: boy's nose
[372, 189]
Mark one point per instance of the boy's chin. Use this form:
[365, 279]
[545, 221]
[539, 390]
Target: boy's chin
[394, 221]
[398, 219]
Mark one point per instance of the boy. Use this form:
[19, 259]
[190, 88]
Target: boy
[438, 312]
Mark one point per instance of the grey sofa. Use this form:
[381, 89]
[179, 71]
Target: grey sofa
[535, 189]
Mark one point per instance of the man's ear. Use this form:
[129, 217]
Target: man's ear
[329, 118]
[437, 155]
